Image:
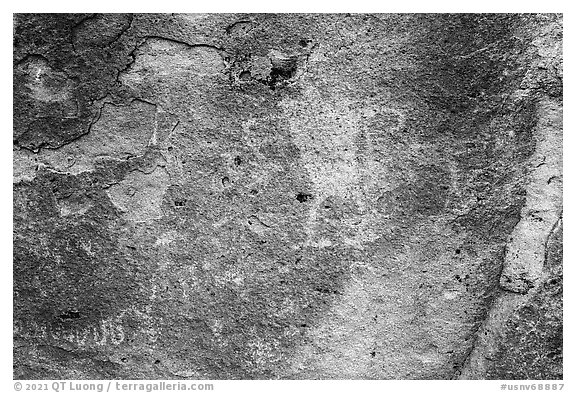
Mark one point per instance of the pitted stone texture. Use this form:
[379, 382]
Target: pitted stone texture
[284, 196]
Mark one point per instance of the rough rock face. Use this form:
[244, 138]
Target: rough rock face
[288, 196]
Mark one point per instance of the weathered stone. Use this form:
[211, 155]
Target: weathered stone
[288, 196]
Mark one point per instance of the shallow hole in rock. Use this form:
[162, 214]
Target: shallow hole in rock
[124, 360]
[68, 315]
[457, 251]
[237, 160]
[303, 197]
[281, 73]
[225, 181]
[157, 361]
[180, 202]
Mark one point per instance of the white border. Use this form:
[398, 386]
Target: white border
[6, 383]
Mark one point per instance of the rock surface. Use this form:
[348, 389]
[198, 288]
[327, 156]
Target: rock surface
[287, 196]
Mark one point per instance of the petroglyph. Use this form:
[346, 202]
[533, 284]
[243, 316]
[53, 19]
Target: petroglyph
[340, 155]
[297, 196]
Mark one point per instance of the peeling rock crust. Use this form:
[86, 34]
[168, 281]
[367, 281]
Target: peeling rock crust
[291, 196]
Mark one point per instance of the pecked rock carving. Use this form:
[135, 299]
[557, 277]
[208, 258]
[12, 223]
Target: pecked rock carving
[288, 196]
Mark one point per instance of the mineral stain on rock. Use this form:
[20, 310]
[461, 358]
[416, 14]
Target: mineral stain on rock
[238, 196]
